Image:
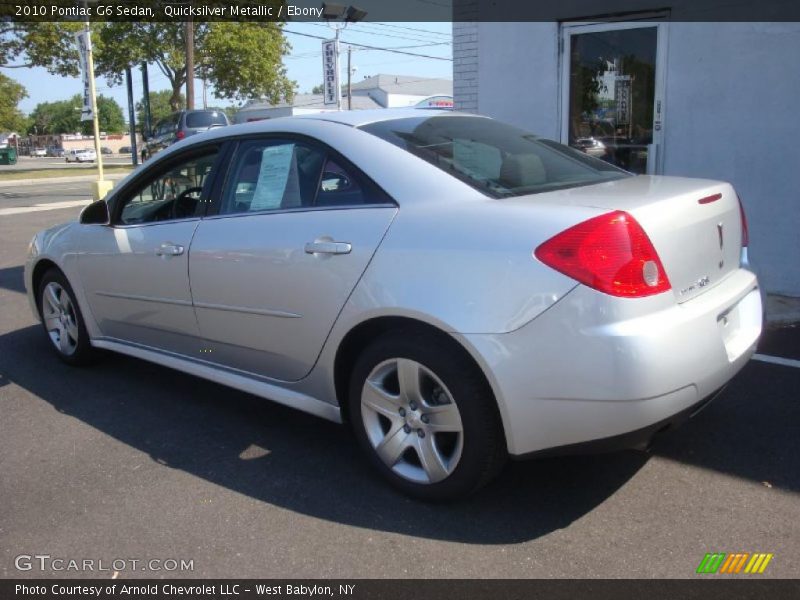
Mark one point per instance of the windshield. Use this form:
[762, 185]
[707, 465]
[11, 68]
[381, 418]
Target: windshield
[196, 120]
[497, 159]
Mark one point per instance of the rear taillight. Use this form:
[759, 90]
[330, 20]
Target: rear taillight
[745, 233]
[610, 253]
[180, 134]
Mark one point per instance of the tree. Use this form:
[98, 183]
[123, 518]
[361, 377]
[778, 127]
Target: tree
[318, 89]
[240, 60]
[160, 108]
[109, 115]
[231, 111]
[48, 45]
[64, 116]
[11, 94]
[52, 118]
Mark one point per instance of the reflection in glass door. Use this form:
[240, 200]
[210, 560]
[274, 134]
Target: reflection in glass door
[611, 94]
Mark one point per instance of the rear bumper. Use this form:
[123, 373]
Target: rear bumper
[639, 438]
[594, 367]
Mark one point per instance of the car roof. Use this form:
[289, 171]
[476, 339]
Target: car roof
[354, 118]
[357, 118]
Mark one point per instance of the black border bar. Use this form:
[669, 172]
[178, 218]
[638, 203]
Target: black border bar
[403, 10]
[703, 587]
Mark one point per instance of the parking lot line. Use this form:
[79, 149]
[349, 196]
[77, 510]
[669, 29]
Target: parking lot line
[777, 360]
[17, 210]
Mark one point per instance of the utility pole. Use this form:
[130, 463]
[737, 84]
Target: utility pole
[349, 77]
[190, 64]
[131, 116]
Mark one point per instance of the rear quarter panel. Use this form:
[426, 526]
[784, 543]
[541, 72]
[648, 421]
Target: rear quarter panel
[466, 267]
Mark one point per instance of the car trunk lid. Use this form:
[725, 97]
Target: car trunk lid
[694, 224]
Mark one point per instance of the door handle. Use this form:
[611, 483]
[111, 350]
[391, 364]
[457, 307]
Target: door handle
[168, 249]
[328, 248]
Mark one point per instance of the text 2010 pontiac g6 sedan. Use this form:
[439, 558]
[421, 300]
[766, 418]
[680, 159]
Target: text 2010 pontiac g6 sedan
[457, 289]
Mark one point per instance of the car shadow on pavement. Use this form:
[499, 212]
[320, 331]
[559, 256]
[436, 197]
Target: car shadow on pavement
[296, 461]
[11, 279]
[750, 431]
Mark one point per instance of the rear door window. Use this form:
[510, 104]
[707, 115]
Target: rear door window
[284, 174]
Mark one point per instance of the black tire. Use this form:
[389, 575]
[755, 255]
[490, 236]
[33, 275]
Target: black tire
[83, 353]
[483, 446]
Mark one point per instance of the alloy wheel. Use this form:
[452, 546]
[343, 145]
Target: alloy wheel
[412, 421]
[60, 320]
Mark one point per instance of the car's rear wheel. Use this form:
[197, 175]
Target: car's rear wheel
[62, 319]
[425, 416]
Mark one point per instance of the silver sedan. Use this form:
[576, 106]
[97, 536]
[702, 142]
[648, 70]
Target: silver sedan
[456, 289]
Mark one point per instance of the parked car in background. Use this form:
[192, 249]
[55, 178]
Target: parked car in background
[80, 156]
[125, 150]
[454, 288]
[55, 151]
[106, 150]
[179, 126]
[39, 152]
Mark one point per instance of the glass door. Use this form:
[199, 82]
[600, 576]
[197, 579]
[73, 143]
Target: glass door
[611, 93]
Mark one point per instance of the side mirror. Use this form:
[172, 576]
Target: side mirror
[95, 214]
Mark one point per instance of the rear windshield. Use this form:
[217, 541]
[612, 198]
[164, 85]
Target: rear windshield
[497, 159]
[195, 120]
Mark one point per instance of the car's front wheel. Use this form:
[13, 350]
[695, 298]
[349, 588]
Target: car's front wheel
[62, 319]
[425, 416]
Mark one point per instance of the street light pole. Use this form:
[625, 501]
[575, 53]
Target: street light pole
[101, 186]
[131, 116]
[349, 14]
[339, 91]
[190, 64]
[147, 126]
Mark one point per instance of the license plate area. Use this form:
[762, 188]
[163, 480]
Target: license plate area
[740, 325]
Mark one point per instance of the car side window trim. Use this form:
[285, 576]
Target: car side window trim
[302, 209]
[146, 176]
[222, 180]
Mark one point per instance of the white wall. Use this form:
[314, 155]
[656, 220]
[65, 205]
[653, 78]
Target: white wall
[732, 112]
[465, 65]
[518, 75]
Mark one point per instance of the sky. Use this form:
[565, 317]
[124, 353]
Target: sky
[303, 63]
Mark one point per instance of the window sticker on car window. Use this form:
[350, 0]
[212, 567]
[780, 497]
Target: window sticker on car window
[273, 177]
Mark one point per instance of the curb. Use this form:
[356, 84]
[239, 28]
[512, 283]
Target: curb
[782, 311]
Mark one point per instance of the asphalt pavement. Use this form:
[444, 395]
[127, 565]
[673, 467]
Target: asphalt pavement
[129, 460]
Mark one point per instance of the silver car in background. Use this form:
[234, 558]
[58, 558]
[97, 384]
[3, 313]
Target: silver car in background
[81, 155]
[456, 289]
